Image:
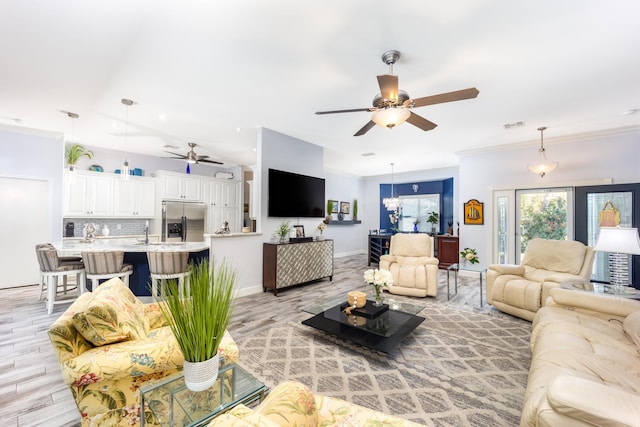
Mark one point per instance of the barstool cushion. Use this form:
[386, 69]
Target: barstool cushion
[112, 314]
[103, 262]
[168, 262]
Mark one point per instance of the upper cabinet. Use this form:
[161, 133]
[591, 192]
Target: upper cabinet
[221, 194]
[104, 195]
[179, 187]
[135, 198]
[88, 194]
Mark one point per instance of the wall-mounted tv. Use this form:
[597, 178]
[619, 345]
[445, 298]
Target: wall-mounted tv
[292, 195]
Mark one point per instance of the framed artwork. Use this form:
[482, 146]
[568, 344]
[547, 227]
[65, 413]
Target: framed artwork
[299, 230]
[474, 212]
[344, 208]
[334, 206]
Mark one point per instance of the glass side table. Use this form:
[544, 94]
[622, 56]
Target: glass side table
[173, 404]
[604, 288]
[471, 267]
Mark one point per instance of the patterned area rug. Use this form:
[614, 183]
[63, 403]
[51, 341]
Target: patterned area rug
[457, 368]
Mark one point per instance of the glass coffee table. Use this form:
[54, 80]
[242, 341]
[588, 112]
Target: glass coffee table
[173, 404]
[470, 267]
[604, 288]
[380, 329]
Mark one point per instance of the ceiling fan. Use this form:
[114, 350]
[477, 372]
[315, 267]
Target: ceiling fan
[391, 107]
[192, 157]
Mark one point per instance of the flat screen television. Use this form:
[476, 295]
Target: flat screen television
[292, 195]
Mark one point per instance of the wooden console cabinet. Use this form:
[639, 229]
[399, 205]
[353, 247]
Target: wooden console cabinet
[448, 250]
[288, 264]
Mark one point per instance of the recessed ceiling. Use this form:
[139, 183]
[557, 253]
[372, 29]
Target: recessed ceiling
[213, 72]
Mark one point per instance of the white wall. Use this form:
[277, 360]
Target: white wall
[582, 162]
[29, 153]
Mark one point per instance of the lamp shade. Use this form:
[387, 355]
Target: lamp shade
[619, 240]
[390, 117]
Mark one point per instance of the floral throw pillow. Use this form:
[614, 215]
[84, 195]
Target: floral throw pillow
[111, 315]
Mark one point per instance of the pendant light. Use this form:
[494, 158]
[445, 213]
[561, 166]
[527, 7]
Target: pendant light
[124, 174]
[391, 203]
[543, 165]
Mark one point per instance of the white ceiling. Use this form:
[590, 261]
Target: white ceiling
[218, 70]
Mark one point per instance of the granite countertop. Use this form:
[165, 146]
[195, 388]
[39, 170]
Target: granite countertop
[129, 245]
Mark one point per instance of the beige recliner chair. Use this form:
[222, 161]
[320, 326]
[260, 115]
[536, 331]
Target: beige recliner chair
[522, 289]
[412, 265]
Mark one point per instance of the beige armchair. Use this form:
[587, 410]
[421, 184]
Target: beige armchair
[522, 289]
[412, 265]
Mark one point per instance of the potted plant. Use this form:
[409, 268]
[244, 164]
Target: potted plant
[283, 232]
[355, 209]
[73, 154]
[322, 226]
[329, 217]
[199, 319]
[433, 218]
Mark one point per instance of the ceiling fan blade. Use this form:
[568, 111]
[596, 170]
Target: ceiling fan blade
[457, 95]
[344, 111]
[421, 122]
[201, 160]
[365, 128]
[388, 86]
[202, 156]
[180, 156]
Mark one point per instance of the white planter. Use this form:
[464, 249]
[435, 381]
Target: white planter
[199, 376]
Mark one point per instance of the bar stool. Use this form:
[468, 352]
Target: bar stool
[52, 269]
[42, 262]
[106, 265]
[169, 265]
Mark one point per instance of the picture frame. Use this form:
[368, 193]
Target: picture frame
[299, 229]
[474, 212]
[344, 208]
[334, 206]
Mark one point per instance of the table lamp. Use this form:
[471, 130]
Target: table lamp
[618, 241]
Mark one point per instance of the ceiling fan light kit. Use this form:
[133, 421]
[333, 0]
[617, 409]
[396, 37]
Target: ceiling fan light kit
[390, 117]
[542, 166]
[191, 157]
[391, 106]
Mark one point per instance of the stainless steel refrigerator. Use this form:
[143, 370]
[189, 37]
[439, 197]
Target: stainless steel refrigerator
[183, 221]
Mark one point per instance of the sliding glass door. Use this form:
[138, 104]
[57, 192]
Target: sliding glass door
[589, 203]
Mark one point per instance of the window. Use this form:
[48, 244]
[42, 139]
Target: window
[418, 207]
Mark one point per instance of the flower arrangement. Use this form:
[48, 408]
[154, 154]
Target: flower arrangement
[322, 226]
[378, 279]
[470, 255]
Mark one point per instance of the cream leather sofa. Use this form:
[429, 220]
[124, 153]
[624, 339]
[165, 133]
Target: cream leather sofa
[521, 290]
[412, 265]
[585, 363]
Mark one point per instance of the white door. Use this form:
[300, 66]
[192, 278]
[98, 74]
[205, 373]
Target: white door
[27, 219]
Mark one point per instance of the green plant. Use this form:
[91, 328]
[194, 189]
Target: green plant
[329, 207]
[433, 218]
[283, 230]
[199, 320]
[75, 151]
[355, 209]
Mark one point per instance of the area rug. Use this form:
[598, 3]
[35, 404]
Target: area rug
[457, 368]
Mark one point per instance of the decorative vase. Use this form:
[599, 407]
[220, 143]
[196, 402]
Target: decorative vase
[378, 297]
[105, 230]
[415, 228]
[320, 238]
[199, 376]
[340, 216]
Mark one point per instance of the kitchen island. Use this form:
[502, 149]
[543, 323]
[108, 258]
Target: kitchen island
[135, 253]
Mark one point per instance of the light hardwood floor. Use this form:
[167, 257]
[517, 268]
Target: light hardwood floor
[31, 389]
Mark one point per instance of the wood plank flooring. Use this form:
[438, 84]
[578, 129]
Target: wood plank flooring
[32, 392]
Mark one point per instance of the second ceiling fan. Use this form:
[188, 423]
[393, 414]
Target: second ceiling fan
[192, 157]
[392, 106]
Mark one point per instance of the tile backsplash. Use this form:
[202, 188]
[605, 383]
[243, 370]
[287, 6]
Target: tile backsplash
[128, 227]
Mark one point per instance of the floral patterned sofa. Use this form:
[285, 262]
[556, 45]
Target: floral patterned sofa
[109, 343]
[293, 404]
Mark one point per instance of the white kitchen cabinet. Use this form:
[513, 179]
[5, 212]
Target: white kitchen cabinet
[217, 216]
[88, 194]
[177, 187]
[135, 198]
[221, 194]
